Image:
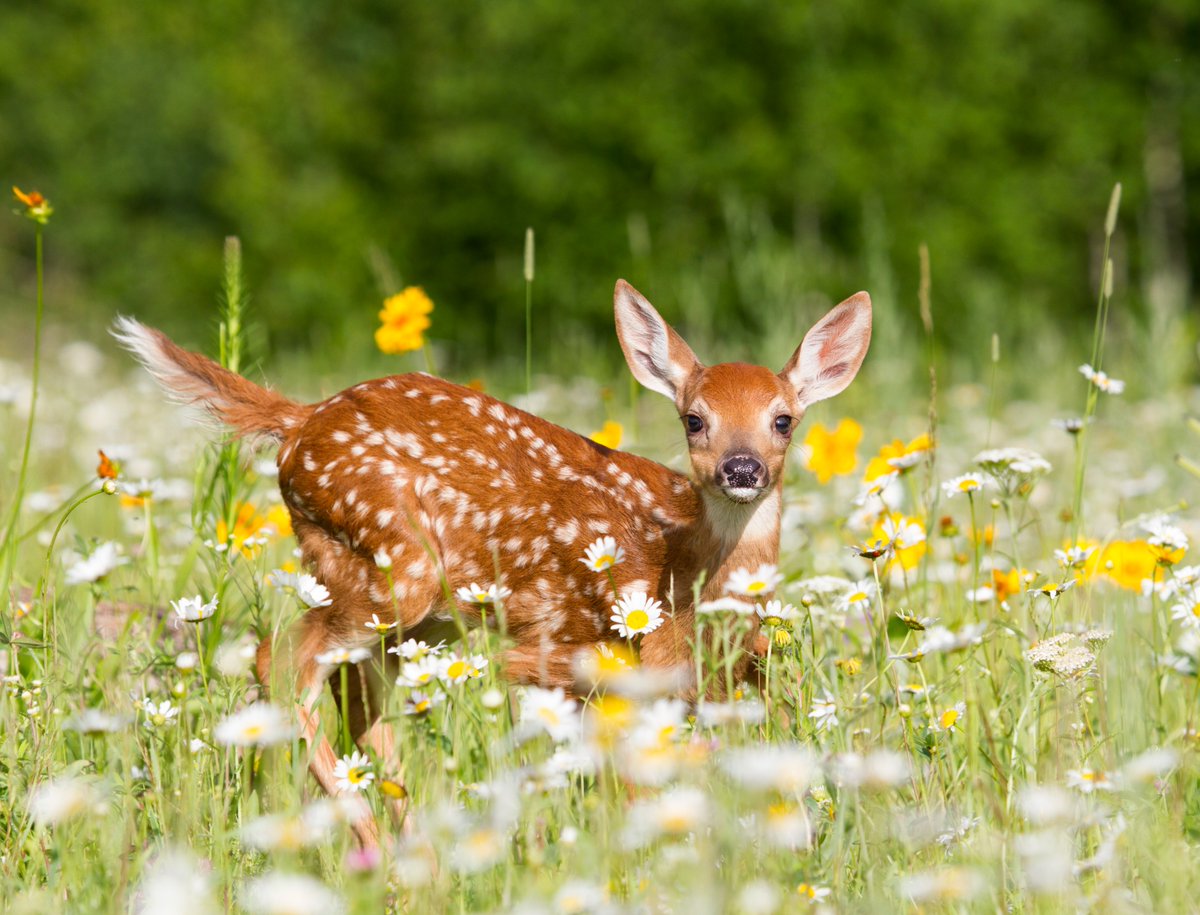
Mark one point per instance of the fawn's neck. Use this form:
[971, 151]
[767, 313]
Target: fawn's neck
[740, 536]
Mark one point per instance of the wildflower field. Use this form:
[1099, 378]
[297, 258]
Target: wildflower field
[979, 690]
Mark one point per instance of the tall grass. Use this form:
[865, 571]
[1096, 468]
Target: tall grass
[928, 731]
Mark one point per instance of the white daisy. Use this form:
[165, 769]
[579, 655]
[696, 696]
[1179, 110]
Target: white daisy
[762, 580]
[636, 614]
[964, 485]
[340, 655]
[383, 627]
[1101, 380]
[552, 711]
[455, 668]
[903, 534]
[103, 559]
[951, 718]
[306, 587]
[94, 721]
[276, 893]
[422, 703]
[490, 595]
[858, 597]
[1054, 590]
[677, 812]
[1089, 780]
[158, 714]
[257, 725]
[603, 554]
[64, 798]
[1073, 557]
[413, 650]
[1187, 611]
[824, 713]
[421, 672]
[353, 772]
[777, 613]
[194, 609]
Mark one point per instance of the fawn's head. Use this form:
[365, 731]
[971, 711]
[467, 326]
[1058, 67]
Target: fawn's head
[739, 418]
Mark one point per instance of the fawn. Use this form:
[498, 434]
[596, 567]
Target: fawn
[452, 487]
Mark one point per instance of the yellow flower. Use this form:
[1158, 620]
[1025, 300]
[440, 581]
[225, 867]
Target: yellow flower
[1006, 584]
[609, 436]
[897, 457]
[849, 666]
[250, 531]
[1127, 563]
[906, 555]
[404, 321]
[832, 454]
[36, 206]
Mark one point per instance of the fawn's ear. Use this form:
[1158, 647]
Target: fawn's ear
[830, 356]
[657, 356]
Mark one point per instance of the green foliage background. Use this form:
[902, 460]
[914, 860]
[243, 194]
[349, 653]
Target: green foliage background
[736, 159]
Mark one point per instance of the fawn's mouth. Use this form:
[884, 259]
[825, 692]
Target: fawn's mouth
[743, 494]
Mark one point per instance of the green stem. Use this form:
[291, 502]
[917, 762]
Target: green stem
[19, 494]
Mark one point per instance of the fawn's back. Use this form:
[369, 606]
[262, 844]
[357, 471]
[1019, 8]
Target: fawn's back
[450, 488]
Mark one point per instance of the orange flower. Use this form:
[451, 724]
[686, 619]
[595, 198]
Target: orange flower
[897, 457]
[404, 321]
[106, 470]
[609, 436]
[36, 206]
[830, 454]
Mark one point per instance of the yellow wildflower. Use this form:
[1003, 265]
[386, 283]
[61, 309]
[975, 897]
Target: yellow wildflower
[910, 547]
[897, 457]
[609, 436]
[404, 321]
[832, 454]
[36, 206]
[1127, 563]
[1006, 584]
[250, 531]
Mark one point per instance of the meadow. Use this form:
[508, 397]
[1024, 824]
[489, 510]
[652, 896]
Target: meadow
[981, 692]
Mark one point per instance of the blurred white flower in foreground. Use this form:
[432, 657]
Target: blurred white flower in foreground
[175, 883]
[277, 893]
[102, 560]
[64, 798]
[257, 725]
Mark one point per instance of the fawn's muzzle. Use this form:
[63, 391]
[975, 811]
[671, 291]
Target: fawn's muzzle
[742, 472]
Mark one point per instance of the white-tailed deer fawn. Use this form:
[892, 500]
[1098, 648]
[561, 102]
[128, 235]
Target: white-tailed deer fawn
[456, 488]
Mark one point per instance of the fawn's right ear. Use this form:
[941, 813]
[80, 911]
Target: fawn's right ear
[657, 356]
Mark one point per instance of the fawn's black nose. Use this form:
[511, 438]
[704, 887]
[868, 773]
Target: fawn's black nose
[742, 471]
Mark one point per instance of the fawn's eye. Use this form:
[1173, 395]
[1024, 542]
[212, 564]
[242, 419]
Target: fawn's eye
[694, 424]
[783, 424]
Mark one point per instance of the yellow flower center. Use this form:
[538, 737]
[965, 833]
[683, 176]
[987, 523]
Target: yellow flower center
[1196, 609]
[967, 486]
[637, 620]
[755, 586]
[805, 889]
[456, 670]
[356, 776]
[549, 716]
[949, 717]
[252, 731]
[858, 597]
[605, 561]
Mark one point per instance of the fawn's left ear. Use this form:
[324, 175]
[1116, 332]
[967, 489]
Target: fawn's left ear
[657, 355]
[830, 356]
